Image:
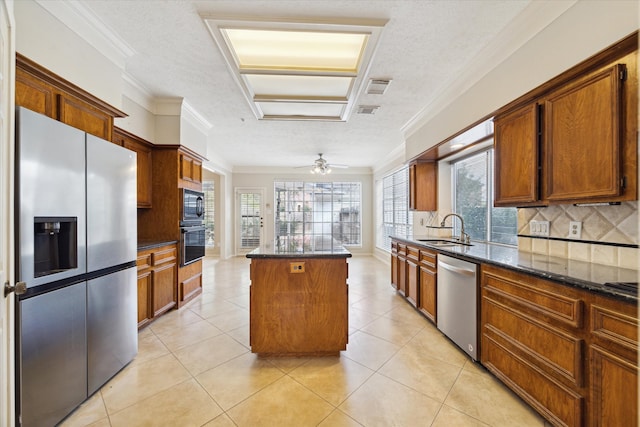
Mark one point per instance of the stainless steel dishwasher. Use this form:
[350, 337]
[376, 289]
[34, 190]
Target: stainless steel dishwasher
[457, 302]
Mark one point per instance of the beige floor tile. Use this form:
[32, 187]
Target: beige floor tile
[185, 404]
[209, 353]
[213, 308]
[144, 332]
[139, 381]
[288, 364]
[332, 378]
[175, 319]
[220, 421]
[189, 334]
[241, 300]
[91, 411]
[408, 314]
[339, 419]
[359, 318]
[378, 304]
[430, 342]
[368, 350]
[150, 347]
[425, 374]
[485, 398]
[230, 320]
[100, 423]
[394, 331]
[241, 335]
[235, 380]
[283, 403]
[448, 417]
[382, 402]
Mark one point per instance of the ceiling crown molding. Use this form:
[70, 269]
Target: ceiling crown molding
[83, 22]
[196, 119]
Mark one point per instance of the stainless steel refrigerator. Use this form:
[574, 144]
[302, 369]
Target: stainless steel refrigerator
[77, 234]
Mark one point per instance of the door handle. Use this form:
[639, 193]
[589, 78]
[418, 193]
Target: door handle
[19, 288]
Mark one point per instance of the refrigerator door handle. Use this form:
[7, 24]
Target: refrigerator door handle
[19, 288]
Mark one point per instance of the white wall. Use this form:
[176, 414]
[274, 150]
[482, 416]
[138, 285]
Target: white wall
[583, 30]
[265, 180]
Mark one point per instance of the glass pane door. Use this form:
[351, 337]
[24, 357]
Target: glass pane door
[250, 219]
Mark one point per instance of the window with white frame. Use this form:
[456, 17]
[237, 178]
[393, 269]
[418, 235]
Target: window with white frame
[317, 215]
[472, 184]
[209, 212]
[396, 217]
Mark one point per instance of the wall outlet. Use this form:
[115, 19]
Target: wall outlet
[575, 229]
[296, 267]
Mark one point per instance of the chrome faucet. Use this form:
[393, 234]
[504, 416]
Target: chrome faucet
[464, 237]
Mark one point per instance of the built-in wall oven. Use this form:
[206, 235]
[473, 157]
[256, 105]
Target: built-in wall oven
[192, 229]
[192, 243]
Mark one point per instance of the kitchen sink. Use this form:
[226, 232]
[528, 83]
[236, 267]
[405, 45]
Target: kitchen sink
[443, 242]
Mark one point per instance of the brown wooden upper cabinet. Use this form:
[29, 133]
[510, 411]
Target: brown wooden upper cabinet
[516, 158]
[190, 168]
[423, 186]
[576, 143]
[144, 153]
[582, 141]
[44, 92]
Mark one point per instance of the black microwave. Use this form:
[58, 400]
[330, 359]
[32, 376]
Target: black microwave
[192, 207]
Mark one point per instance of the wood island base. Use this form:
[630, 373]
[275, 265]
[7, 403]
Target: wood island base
[299, 306]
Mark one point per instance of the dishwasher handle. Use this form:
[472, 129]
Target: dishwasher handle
[455, 269]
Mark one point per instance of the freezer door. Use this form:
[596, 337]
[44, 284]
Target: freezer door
[53, 355]
[51, 183]
[111, 204]
[112, 325]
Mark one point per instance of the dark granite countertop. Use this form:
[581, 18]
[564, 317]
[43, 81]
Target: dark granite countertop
[581, 274]
[270, 250]
[150, 244]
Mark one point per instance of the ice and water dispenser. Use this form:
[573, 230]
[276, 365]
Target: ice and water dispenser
[55, 245]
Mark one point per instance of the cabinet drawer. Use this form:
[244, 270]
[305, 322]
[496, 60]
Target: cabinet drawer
[539, 298]
[428, 259]
[552, 350]
[614, 327]
[402, 249]
[554, 401]
[413, 253]
[163, 256]
[143, 261]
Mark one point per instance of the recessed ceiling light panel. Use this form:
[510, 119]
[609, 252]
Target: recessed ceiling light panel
[280, 65]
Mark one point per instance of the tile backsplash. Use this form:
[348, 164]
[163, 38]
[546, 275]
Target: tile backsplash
[607, 223]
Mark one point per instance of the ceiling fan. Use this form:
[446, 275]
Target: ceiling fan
[322, 167]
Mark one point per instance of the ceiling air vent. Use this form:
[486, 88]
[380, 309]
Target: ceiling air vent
[377, 86]
[367, 109]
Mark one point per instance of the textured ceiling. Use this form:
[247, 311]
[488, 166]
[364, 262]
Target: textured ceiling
[425, 45]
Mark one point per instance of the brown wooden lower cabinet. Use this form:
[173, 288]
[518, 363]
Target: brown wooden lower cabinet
[189, 282]
[413, 279]
[402, 269]
[394, 264]
[299, 311]
[570, 353]
[157, 276]
[428, 285]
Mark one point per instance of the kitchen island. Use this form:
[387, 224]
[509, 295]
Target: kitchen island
[298, 301]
